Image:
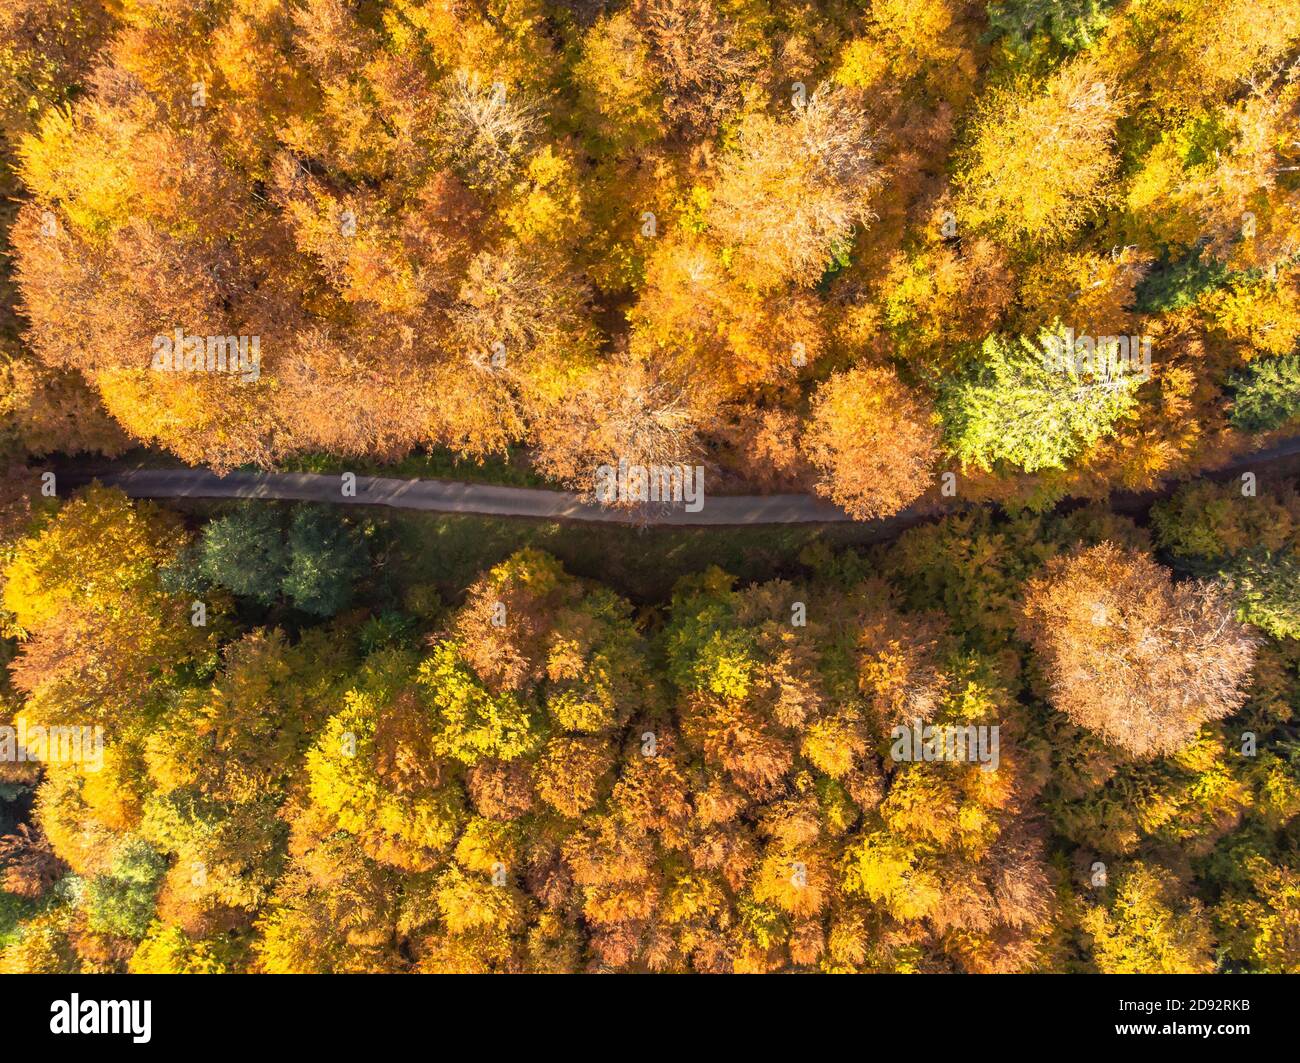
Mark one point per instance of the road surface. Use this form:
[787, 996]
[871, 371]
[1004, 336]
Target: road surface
[491, 500]
[449, 496]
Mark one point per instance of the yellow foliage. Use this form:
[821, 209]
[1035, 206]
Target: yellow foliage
[1042, 158]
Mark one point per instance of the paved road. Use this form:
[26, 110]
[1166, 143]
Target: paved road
[448, 496]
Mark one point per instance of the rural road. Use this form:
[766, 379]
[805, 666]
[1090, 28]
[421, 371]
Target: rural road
[449, 496]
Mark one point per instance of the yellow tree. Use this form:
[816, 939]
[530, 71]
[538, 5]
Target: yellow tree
[1041, 158]
[88, 584]
[1149, 926]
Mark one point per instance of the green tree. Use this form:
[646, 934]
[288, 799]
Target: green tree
[1267, 588]
[1070, 24]
[325, 557]
[313, 564]
[1267, 394]
[1024, 405]
[122, 901]
[245, 553]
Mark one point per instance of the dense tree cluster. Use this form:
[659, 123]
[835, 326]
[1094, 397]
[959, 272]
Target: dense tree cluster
[539, 776]
[730, 232]
[880, 250]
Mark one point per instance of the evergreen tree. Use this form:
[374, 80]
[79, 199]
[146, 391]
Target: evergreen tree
[1268, 394]
[245, 553]
[325, 558]
[1025, 405]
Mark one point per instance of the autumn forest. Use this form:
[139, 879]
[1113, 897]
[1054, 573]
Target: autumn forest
[1000, 300]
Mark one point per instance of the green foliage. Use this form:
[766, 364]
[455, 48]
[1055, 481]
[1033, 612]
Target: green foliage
[1173, 286]
[325, 558]
[1249, 542]
[13, 910]
[1259, 922]
[389, 628]
[314, 564]
[1267, 587]
[1267, 395]
[971, 567]
[1017, 406]
[121, 902]
[1202, 138]
[383, 774]
[703, 609]
[1207, 522]
[841, 259]
[1071, 24]
[245, 553]
[433, 807]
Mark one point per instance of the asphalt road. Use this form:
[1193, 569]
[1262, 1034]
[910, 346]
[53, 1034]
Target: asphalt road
[448, 496]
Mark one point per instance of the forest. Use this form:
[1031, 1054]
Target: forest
[994, 264]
